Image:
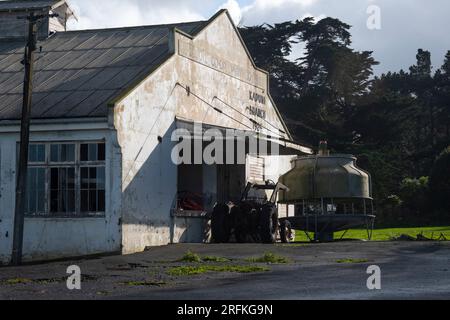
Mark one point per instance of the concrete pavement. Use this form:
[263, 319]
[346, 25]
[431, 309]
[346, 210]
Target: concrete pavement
[409, 270]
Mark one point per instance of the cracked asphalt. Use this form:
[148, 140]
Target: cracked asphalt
[409, 270]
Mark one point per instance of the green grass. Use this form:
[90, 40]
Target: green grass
[17, 281]
[200, 269]
[270, 257]
[190, 257]
[145, 283]
[352, 261]
[214, 259]
[385, 234]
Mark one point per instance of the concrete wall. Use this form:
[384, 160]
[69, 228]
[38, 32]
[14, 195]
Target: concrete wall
[219, 73]
[49, 238]
[144, 122]
[142, 179]
[213, 64]
[217, 68]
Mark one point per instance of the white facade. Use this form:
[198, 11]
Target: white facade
[213, 69]
[51, 237]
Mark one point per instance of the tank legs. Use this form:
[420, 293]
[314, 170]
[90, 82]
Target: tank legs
[324, 236]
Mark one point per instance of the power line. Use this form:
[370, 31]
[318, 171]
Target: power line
[150, 131]
[243, 114]
[227, 115]
[21, 186]
[188, 90]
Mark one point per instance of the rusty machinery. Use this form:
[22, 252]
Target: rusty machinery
[253, 219]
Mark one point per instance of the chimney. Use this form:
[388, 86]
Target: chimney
[323, 148]
[13, 28]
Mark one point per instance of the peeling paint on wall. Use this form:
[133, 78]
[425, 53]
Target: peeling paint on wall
[213, 66]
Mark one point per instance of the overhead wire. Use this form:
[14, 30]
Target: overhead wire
[189, 91]
[150, 131]
[243, 114]
[212, 106]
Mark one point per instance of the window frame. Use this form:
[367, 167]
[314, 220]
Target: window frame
[77, 164]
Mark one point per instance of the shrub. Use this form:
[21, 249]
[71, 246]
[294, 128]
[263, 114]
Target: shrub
[440, 182]
[414, 194]
[191, 257]
[393, 201]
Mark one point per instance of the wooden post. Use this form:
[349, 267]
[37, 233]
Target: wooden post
[24, 142]
[21, 182]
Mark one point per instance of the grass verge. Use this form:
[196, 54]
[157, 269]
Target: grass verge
[204, 268]
[192, 257]
[214, 259]
[19, 281]
[145, 283]
[270, 257]
[385, 234]
[348, 260]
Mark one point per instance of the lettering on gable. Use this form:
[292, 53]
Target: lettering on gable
[255, 97]
[257, 112]
[206, 58]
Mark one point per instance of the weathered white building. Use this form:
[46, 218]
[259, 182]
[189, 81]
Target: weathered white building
[105, 106]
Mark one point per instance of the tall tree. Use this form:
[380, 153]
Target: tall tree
[318, 92]
[396, 124]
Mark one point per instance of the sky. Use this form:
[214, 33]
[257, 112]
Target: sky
[401, 26]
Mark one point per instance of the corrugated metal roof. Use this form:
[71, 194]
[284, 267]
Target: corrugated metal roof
[78, 72]
[17, 5]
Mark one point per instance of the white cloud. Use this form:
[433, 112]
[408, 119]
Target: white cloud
[270, 11]
[234, 9]
[406, 24]
[275, 4]
[119, 13]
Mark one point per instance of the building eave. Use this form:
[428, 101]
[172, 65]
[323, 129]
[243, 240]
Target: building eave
[192, 36]
[60, 124]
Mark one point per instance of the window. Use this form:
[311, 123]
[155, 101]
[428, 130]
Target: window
[92, 152]
[36, 190]
[66, 179]
[62, 190]
[92, 189]
[61, 153]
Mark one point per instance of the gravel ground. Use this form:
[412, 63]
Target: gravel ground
[409, 270]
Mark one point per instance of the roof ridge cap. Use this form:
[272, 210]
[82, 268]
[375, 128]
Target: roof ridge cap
[168, 25]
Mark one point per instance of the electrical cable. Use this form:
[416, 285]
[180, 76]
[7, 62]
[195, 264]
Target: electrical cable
[243, 114]
[210, 105]
[150, 131]
[189, 92]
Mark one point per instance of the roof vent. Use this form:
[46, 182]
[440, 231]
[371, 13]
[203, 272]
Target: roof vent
[323, 149]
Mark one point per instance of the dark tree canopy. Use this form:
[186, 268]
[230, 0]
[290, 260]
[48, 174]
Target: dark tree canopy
[397, 123]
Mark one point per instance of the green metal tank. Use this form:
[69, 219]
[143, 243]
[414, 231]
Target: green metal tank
[329, 193]
[326, 176]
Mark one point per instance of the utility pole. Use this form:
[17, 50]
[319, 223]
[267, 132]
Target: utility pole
[21, 182]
